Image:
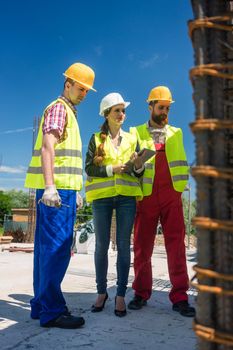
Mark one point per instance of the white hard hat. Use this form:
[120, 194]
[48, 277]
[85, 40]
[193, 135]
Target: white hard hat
[111, 100]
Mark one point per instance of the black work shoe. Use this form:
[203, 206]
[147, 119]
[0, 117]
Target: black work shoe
[184, 308]
[67, 322]
[66, 312]
[137, 303]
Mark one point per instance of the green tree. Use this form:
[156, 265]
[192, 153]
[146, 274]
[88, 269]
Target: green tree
[192, 213]
[5, 205]
[12, 199]
[85, 213]
[19, 199]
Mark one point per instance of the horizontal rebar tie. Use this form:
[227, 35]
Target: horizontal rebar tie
[213, 224]
[209, 22]
[202, 273]
[211, 171]
[213, 69]
[210, 124]
[211, 335]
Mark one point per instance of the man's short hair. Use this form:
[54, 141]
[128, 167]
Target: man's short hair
[68, 80]
[152, 103]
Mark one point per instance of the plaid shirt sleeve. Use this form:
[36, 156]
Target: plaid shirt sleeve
[55, 119]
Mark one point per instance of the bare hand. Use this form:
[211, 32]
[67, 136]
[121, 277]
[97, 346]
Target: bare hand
[137, 161]
[119, 169]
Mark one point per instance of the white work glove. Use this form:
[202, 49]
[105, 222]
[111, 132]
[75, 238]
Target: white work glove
[51, 197]
[79, 201]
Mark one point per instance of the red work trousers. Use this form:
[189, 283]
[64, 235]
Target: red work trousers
[163, 204]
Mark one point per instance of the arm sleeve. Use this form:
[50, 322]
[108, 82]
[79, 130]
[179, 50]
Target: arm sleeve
[90, 168]
[55, 119]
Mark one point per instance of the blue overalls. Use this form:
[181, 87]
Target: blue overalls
[52, 251]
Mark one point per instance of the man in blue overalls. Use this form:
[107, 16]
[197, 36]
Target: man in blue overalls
[56, 172]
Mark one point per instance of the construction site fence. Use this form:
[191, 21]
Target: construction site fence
[190, 239]
[10, 226]
[15, 228]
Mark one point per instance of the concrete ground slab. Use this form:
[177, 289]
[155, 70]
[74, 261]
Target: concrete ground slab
[155, 326]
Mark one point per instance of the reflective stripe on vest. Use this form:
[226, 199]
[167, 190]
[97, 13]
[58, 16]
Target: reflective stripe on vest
[118, 184]
[180, 177]
[68, 157]
[147, 180]
[61, 170]
[100, 185]
[124, 182]
[61, 153]
[178, 163]
[110, 183]
[175, 154]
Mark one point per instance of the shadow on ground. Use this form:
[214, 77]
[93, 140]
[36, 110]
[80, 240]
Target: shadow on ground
[154, 324]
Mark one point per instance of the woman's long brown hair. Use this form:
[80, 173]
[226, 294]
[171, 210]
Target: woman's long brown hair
[104, 129]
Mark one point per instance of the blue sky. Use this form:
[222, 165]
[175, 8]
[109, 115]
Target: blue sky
[131, 45]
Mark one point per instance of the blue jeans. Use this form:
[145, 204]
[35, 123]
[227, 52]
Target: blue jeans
[102, 213]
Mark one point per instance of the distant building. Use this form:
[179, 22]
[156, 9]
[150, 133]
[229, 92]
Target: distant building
[17, 220]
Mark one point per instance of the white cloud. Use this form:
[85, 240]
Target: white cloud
[12, 183]
[149, 62]
[13, 170]
[12, 179]
[16, 130]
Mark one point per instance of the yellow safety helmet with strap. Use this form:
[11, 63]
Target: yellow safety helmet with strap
[160, 93]
[82, 74]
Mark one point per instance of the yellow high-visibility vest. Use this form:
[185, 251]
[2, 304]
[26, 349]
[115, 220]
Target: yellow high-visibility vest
[68, 157]
[118, 184]
[175, 154]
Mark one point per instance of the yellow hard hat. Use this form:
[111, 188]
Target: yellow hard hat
[82, 74]
[160, 93]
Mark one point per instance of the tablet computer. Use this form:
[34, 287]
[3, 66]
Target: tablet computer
[145, 154]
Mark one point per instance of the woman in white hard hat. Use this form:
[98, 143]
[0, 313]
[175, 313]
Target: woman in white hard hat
[113, 184]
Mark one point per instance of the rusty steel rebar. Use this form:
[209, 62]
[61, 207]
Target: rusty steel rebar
[211, 33]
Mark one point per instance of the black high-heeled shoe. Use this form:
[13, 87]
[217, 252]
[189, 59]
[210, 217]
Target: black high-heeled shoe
[99, 308]
[119, 313]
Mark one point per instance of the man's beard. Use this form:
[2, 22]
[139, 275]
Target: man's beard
[159, 119]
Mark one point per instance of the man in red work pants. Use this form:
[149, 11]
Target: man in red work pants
[164, 180]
